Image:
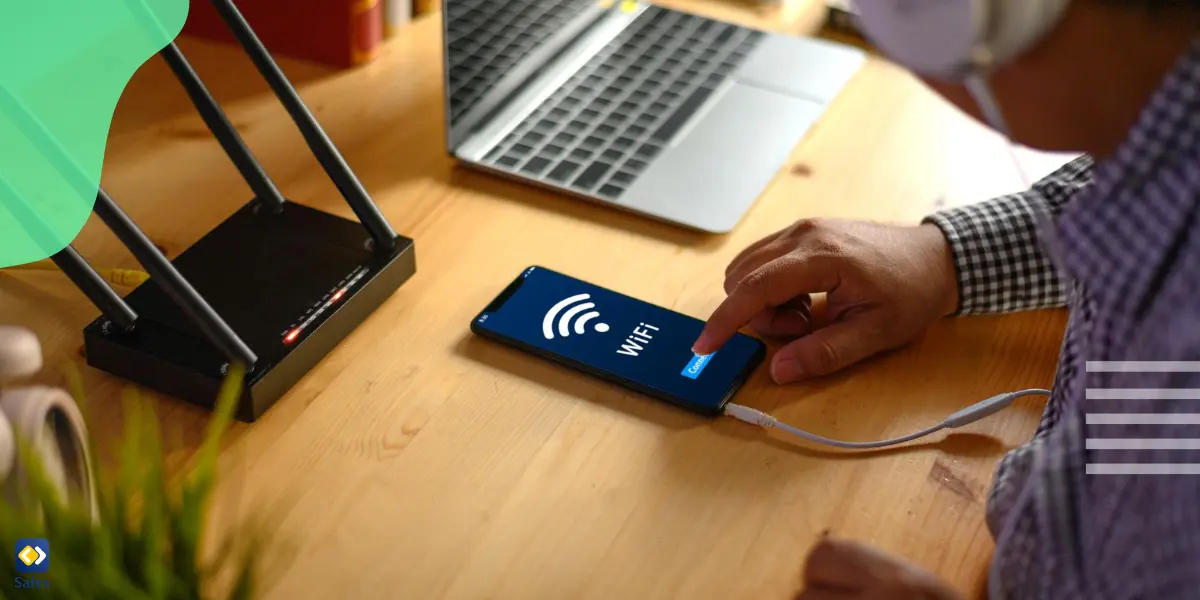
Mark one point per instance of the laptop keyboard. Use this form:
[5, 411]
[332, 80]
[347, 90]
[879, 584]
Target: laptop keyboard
[486, 38]
[599, 131]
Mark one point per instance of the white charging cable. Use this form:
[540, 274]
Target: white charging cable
[966, 416]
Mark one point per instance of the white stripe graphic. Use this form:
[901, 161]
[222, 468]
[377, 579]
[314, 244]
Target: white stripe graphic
[1143, 444]
[1140, 469]
[1143, 366]
[1142, 419]
[1142, 394]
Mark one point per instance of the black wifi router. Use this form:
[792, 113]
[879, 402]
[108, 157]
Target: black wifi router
[275, 287]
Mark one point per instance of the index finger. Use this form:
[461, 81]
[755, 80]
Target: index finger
[770, 285]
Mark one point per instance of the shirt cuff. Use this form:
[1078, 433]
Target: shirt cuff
[999, 263]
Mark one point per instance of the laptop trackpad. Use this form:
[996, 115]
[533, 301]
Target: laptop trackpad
[807, 67]
[720, 164]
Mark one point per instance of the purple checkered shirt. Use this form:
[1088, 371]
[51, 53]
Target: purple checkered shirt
[1079, 511]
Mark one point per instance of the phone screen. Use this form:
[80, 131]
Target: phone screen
[618, 338]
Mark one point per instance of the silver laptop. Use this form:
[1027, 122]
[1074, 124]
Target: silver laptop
[656, 111]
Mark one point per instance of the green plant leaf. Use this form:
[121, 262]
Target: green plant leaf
[145, 540]
[154, 568]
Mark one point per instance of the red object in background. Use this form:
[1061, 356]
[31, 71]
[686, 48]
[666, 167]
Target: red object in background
[338, 33]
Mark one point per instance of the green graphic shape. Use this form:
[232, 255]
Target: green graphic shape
[63, 66]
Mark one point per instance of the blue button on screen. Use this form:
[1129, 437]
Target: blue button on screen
[696, 365]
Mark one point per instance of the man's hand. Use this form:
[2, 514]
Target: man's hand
[884, 285]
[845, 570]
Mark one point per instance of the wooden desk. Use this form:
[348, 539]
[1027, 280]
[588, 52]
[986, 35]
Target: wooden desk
[417, 462]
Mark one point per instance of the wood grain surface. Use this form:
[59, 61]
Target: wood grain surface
[417, 462]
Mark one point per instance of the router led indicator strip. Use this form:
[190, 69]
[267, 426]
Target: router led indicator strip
[342, 288]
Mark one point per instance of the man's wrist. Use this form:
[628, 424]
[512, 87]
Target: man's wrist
[945, 274]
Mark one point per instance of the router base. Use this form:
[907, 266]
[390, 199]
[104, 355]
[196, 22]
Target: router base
[291, 285]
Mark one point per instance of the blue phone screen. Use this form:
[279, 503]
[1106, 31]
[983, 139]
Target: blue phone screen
[624, 338]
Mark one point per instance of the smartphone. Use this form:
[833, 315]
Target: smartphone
[626, 341]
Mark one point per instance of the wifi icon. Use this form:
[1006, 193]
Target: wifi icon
[563, 320]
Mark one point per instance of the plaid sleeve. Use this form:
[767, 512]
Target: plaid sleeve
[1001, 266]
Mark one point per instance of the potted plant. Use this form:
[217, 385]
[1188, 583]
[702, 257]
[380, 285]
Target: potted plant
[131, 533]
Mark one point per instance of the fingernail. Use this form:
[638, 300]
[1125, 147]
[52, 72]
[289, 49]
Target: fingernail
[785, 370]
[701, 345]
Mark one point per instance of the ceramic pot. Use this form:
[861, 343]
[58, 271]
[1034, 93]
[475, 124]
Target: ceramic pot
[43, 420]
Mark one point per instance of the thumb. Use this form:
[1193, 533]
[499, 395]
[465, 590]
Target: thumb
[825, 350]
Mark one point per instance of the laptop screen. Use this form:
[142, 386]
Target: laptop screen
[485, 39]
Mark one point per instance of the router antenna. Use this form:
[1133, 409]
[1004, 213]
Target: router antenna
[157, 265]
[95, 288]
[322, 147]
[68, 260]
[264, 189]
[172, 283]
[37, 133]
